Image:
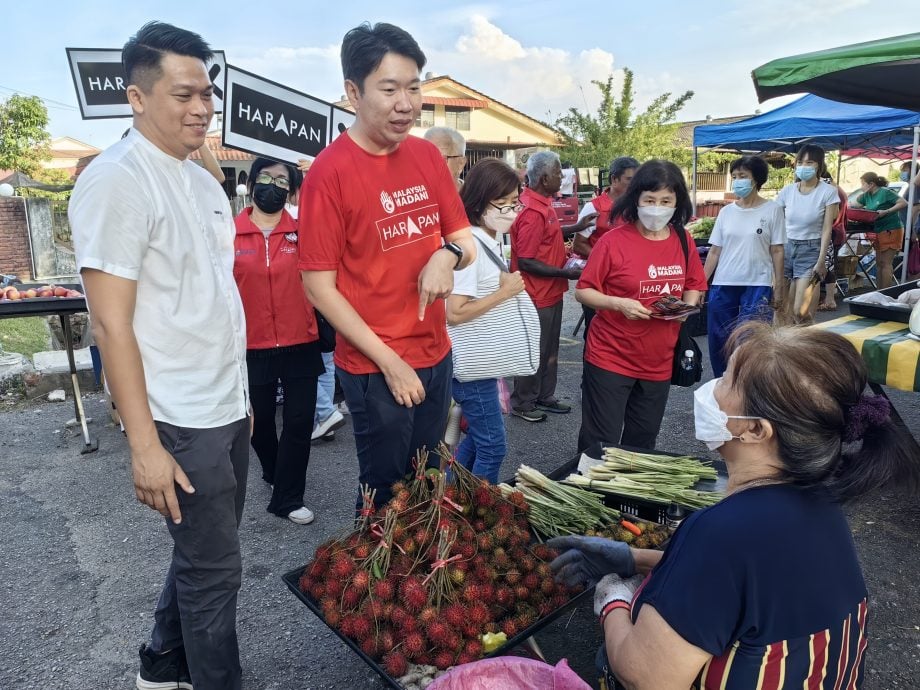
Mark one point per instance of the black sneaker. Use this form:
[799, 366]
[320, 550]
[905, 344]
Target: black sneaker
[529, 415]
[163, 671]
[554, 406]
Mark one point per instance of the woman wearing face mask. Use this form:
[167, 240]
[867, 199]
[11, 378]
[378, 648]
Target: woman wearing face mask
[490, 196]
[629, 354]
[811, 206]
[745, 262]
[736, 600]
[281, 335]
[889, 231]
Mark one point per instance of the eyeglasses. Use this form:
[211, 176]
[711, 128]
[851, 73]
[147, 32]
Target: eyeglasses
[508, 209]
[280, 182]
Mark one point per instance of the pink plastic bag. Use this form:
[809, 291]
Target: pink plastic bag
[510, 673]
[504, 396]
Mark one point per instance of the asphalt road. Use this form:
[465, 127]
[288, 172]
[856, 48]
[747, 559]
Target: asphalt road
[82, 562]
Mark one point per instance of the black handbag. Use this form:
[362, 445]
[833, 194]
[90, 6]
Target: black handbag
[690, 372]
[326, 333]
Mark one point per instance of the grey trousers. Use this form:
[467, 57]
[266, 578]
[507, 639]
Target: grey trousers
[541, 387]
[197, 607]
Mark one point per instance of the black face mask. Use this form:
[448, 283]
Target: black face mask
[268, 197]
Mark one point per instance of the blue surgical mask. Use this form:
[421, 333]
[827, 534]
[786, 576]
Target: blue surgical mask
[905, 176]
[805, 172]
[742, 188]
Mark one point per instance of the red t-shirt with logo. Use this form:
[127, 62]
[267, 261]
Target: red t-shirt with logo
[602, 205]
[623, 263]
[536, 234]
[377, 220]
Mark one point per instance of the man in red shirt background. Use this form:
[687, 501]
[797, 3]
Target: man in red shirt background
[383, 230]
[538, 251]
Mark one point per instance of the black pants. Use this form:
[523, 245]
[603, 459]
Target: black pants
[619, 409]
[387, 435]
[284, 461]
[197, 607]
[541, 387]
[589, 314]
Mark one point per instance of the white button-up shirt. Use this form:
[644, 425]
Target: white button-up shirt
[141, 214]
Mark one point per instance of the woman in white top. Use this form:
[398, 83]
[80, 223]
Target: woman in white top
[811, 207]
[490, 196]
[745, 262]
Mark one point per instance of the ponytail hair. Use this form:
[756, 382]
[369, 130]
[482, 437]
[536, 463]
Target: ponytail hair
[809, 384]
[872, 178]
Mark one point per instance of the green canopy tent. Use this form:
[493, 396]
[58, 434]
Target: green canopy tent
[885, 72]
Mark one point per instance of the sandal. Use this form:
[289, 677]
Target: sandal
[827, 307]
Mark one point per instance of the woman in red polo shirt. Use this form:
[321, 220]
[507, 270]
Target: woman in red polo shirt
[629, 353]
[281, 335]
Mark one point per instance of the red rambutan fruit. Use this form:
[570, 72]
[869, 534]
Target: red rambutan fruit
[351, 597]
[347, 624]
[504, 596]
[362, 551]
[363, 626]
[473, 648]
[548, 586]
[466, 549]
[376, 609]
[342, 566]
[415, 598]
[385, 641]
[444, 659]
[510, 627]
[513, 577]
[531, 581]
[471, 593]
[544, 552]
[335, 587]
[384, 590]
[471, 630]
[502, 533]
[427, 615]
[395, 664]
[333, 618]
[398, 616]
[479, 525]
[485, 542]
[323, 553]
[454, 614]
[486, 591]
[466, 659]
[457, 575]
[543, 570]
[484, 494]
[521, 592]
[478, 614]
[413, 645]
[504, 511]
[316, 569]
[438, 632]
[317, 590]
[370, 647]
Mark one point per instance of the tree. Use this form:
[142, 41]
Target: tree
[594, 140]
[24, 136]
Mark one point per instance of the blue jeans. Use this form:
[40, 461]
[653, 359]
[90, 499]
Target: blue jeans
[484, 447]
[325, 390]
[727, 307]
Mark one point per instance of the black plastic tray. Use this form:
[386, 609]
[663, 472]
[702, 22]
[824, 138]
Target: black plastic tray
[43, 306]
[292, 578]
[652, 511]
[877, 311]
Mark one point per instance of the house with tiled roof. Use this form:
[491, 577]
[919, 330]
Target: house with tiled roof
[234, 163]
[491, 128]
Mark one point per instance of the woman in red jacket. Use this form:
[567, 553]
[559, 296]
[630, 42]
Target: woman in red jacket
[281, 335]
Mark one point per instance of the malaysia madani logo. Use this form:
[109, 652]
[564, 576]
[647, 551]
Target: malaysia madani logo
[387, 202]
[291, 237]
[652, 271]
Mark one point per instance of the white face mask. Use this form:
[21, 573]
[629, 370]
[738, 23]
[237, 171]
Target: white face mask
[710, 422]
[497, 222]
[655, 218]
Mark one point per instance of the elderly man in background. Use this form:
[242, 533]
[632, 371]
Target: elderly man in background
[538, 251]
[452, 146]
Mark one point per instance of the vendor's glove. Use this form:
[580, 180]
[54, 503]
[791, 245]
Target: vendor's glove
[614, 588]
[585, 560]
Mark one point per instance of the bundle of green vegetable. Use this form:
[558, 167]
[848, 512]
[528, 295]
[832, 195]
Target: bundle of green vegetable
[650, 477]
[701, 229]
[557, 509]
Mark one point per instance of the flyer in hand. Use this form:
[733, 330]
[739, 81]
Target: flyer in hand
[668, 307]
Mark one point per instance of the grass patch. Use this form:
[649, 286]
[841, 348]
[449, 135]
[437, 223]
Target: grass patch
[26, 335]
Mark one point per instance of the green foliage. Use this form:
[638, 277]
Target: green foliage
[714, 161]
[49, 176]
[615, 130]
[25, 336]
[24, 136]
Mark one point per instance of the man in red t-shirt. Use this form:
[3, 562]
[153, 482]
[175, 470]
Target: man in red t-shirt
[538, 251]
[382, 230]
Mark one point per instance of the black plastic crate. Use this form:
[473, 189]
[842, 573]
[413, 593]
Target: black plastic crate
[292, 579]
[877, 311]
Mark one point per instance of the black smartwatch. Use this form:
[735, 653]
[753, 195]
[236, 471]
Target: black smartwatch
[456, 250]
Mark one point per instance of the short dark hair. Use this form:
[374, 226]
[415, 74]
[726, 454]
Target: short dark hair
[486, 181]
[755, 165]
[144, 51]
[815, 153]
[259, 164]
[365, 46]
[620, 165]
[807, 382]
[653, 176]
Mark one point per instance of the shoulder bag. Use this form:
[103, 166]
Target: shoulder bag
[679, 375]
[505, 341]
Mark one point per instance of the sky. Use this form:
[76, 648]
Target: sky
[539, 57]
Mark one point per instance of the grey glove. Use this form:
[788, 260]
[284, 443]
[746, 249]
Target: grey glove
[614, 588]
[585, 560]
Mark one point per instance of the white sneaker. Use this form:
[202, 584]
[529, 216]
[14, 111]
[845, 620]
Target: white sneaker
[334, 421]
[301, 516]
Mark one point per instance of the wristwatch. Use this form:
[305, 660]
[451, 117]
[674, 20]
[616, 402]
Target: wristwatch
[456, 250]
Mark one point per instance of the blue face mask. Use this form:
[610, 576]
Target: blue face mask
[905, 176]
[742, 188]
[805, 172]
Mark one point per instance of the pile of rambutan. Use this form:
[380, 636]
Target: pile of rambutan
[421, 579]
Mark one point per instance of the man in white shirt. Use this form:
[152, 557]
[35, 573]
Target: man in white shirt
[153, 235]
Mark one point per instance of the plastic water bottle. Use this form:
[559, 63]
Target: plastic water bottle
[452, 432]
[688, 360]
[675, 515]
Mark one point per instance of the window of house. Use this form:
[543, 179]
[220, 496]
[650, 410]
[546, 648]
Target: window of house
[458, 118]
[426, 117]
